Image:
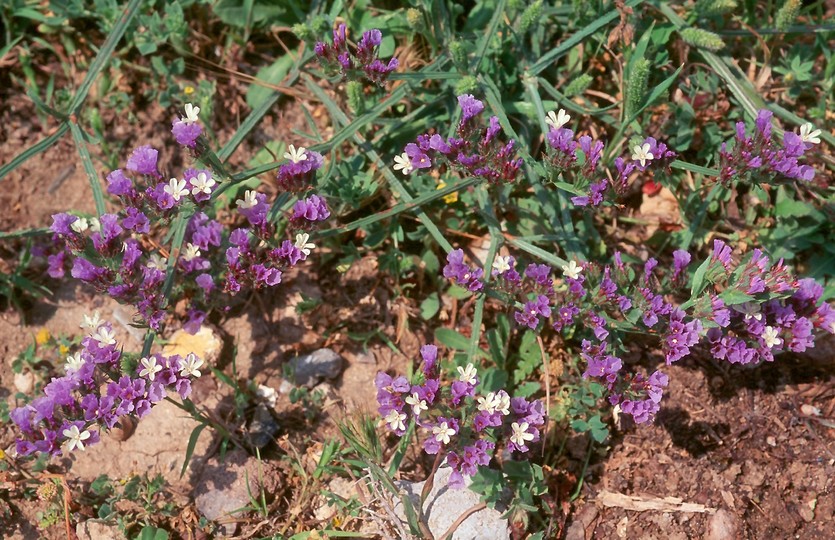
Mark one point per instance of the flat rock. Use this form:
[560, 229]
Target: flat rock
[222, 487]
[445, 505]
[310, 369]
[262, 427]
[96, 529]
[206, 344]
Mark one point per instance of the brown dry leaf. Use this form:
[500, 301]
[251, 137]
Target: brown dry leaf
[623, 31]
[661, 210]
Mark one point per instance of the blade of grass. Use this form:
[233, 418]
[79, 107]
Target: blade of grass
[89, 168]
[34, 150]
[104, 55]
[26, 233]
[495, 237]
[550, 258]
[340, 118]
[484, 41]
[577, 38]
[399, 208]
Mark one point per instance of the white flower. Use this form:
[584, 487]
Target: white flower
[191, 252]
[105, 336]
[832, 327]
[403, 163]
[79, 225]
[443, 432]
[557, 120]
[395, 420]
[488, 403]
[191, 114]
[150, 368]
[74, 362]
[302, 243]
[501, 264]
[416, 403]
[296, 154]
[91, 321]
[157, 262]
[751, 310]
[202, 184]
[176, 188]
[468, 374]
[95, 224]
[249, 200]
[503, 405]
[75, 437]
[809, 134]
[770, 337]
[642, 154]
[190, 366]
[572, 270]
[520, 434]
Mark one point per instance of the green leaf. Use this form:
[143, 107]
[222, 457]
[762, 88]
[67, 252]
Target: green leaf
[733, 297]
[192, 442]
[452, 339]
[272, 74]
[699, 278]
[430, 306]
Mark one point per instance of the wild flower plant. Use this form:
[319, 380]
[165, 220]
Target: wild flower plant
[113, 254]
[461, 427]
[101, 385]
[336, 58]
[742, 312]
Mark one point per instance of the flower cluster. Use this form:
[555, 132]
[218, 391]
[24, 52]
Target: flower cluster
[338, 59]
[580, 159]
[100, 386]
[112, 252]
[186, 129]
[457, 422]
[299, 173]
[463, 275]
[475, 150]
[757, 155]
[742, 313]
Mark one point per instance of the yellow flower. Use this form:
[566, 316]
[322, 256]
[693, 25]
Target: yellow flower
[42, 336]
[452, 197]
[188, 90]
[2, 454]
[63, 350]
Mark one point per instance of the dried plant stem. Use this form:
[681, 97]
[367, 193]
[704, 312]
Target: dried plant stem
[547, 370]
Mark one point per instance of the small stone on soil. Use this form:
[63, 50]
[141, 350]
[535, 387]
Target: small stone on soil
[312, 368]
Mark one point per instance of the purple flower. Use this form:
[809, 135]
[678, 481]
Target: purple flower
[118, 184]
[681, 259]
[143, 160]
[136, 221]
[312, 209]
[429, 353]
[57, 263]
[467, 277]
[470, 107]
[61, 224]
[186, 133]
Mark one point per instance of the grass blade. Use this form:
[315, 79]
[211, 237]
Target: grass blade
[104, 55]
[34, 150]
[563, 48]
[89, 168]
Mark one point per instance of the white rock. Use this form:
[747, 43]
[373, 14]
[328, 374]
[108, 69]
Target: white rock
[444, 505]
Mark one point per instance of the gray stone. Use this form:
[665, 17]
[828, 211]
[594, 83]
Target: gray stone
[444, 505]
[263, 427]
[96, 529]
[222, 488]
[310, 369]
